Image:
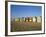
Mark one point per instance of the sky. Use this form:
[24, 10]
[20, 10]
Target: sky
[23, 10]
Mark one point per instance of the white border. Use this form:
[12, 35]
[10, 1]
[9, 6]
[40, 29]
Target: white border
[26, 32]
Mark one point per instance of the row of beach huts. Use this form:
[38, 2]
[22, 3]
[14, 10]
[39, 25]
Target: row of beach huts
[28, 19]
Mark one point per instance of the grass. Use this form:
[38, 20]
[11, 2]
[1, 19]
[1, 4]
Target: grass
[25, 26]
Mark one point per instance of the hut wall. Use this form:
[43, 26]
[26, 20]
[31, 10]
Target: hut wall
[22, 19]
[26, 19]
[17, 19]
[34, 19]
[39, 19]
[30, 19]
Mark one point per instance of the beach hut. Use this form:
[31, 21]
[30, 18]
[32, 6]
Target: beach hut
[30, 19]
[22, 19]
[26, 19]
[17, 19]
[34, 19]
[39, 19]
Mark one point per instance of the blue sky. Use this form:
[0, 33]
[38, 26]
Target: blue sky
[23, 10]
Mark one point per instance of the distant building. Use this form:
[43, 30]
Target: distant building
[30, 19]
[39, 19]
[26, 19]
[34, 19]
[22, 19]
[17, 19]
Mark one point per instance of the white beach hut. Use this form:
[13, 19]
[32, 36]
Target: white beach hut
[34, 19]
[22, 19]
[17, 19]
[39, 19]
